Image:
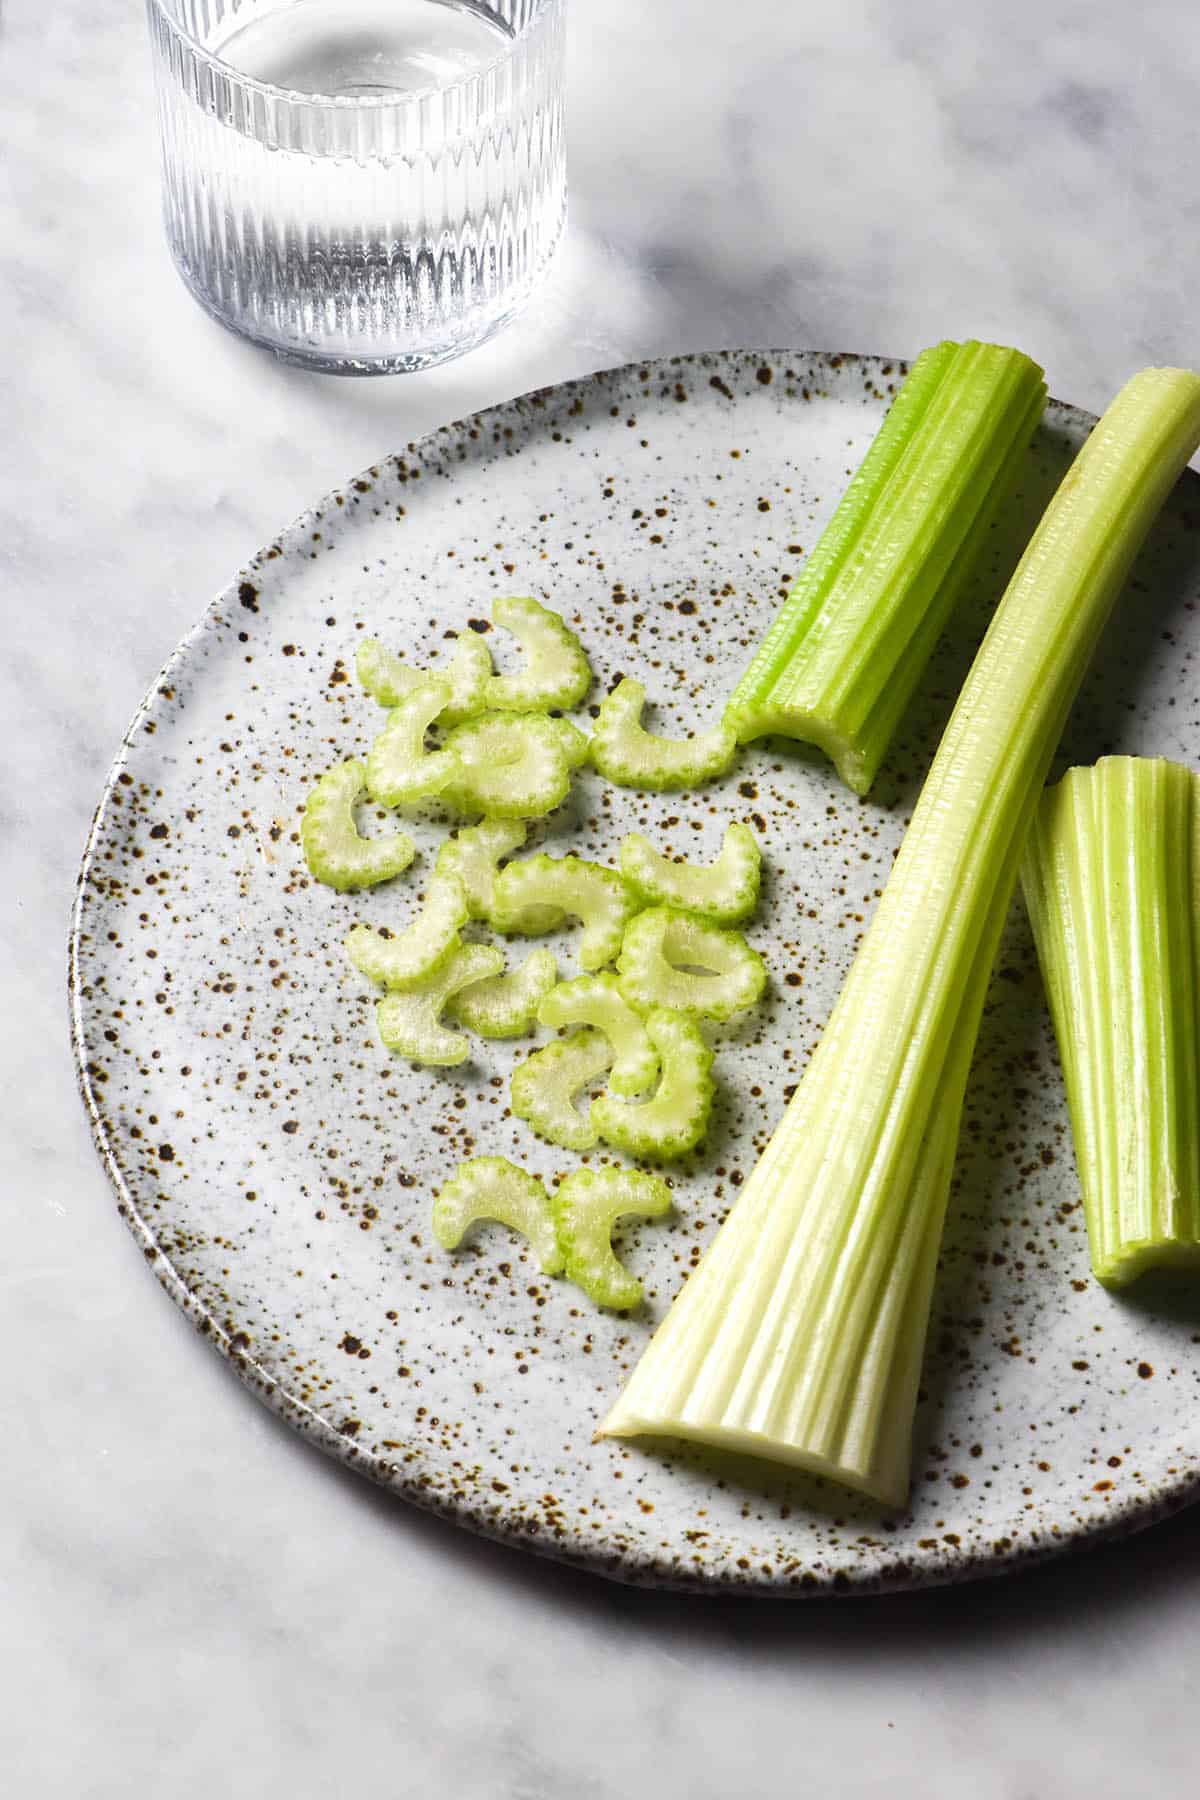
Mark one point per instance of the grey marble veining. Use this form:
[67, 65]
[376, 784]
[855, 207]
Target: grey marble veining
[194, 1601]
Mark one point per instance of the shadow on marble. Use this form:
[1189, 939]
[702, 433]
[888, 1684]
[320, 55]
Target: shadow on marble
[1113, 1581]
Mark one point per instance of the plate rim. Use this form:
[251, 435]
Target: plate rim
[1134, 1513]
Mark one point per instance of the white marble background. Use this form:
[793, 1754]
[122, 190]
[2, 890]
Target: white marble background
[194, 1603]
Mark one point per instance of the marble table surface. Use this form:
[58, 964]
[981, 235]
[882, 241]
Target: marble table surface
[195, 1602]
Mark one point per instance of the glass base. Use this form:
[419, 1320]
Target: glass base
[331, 361]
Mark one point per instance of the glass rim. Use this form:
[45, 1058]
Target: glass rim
[399, 102]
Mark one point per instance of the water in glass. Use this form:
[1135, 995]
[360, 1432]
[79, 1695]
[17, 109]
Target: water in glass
[367, 47]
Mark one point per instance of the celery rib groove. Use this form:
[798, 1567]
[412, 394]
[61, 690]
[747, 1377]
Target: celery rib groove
[1110, 880]
[839, 665]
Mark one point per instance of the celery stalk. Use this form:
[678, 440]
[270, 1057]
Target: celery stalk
[800, 1333]
[839, 664]
[1111, 880]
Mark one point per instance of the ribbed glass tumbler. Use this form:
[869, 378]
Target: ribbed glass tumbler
[364, 186]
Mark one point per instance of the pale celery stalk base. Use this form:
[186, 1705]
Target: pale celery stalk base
[802, 1325]
[869, 1448]
[1112, 882]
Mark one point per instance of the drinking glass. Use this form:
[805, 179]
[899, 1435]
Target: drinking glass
[364, 186]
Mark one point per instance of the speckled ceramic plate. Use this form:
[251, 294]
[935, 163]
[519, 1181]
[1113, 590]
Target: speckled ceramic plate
[276, 1165]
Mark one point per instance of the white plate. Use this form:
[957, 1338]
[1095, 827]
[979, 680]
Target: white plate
[277, 1166]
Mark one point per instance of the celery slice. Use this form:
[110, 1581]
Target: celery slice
[588, 891]
[409, 956]
[675, 1118]
[474, 855]
[467, 669]
[408, 1019]
[597, 1000]
[399, 768]
[725, 891]
[506, 1006]
[664, 951]
[556, 675]
[508, 766]
[630, 756]
[575, 744]
[491, 1188]
[799, 1335]
[1112, 880]
[544, 1086]
[587, 1204]
[333, 849]
[839, 664]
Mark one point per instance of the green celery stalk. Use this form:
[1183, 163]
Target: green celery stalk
[1111, 880]
[799, 1335]
[840, 662]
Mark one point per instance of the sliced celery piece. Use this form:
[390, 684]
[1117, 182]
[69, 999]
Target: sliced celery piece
[1111, 879]
[799, 1335]
[675, 1118]
[588, 891]
[597, 1000]
[492, 1188]
[509, 766]
[556, 674]
[474, 855]
[839, 664]
[574, 744]
[409, 1019]
[544, 1086]
[399, 768]
[467, 669]
[333, 849]
[587, 1204]
[664, 951]
[506, 1006]
[725, 891]
[629, 756]
[409, 956]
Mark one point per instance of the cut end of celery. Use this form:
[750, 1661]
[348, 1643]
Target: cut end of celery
[1147, 1258]
[854, 766]
[889, 1487]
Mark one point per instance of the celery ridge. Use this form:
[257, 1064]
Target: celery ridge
[839, 665]
[1110, 880]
